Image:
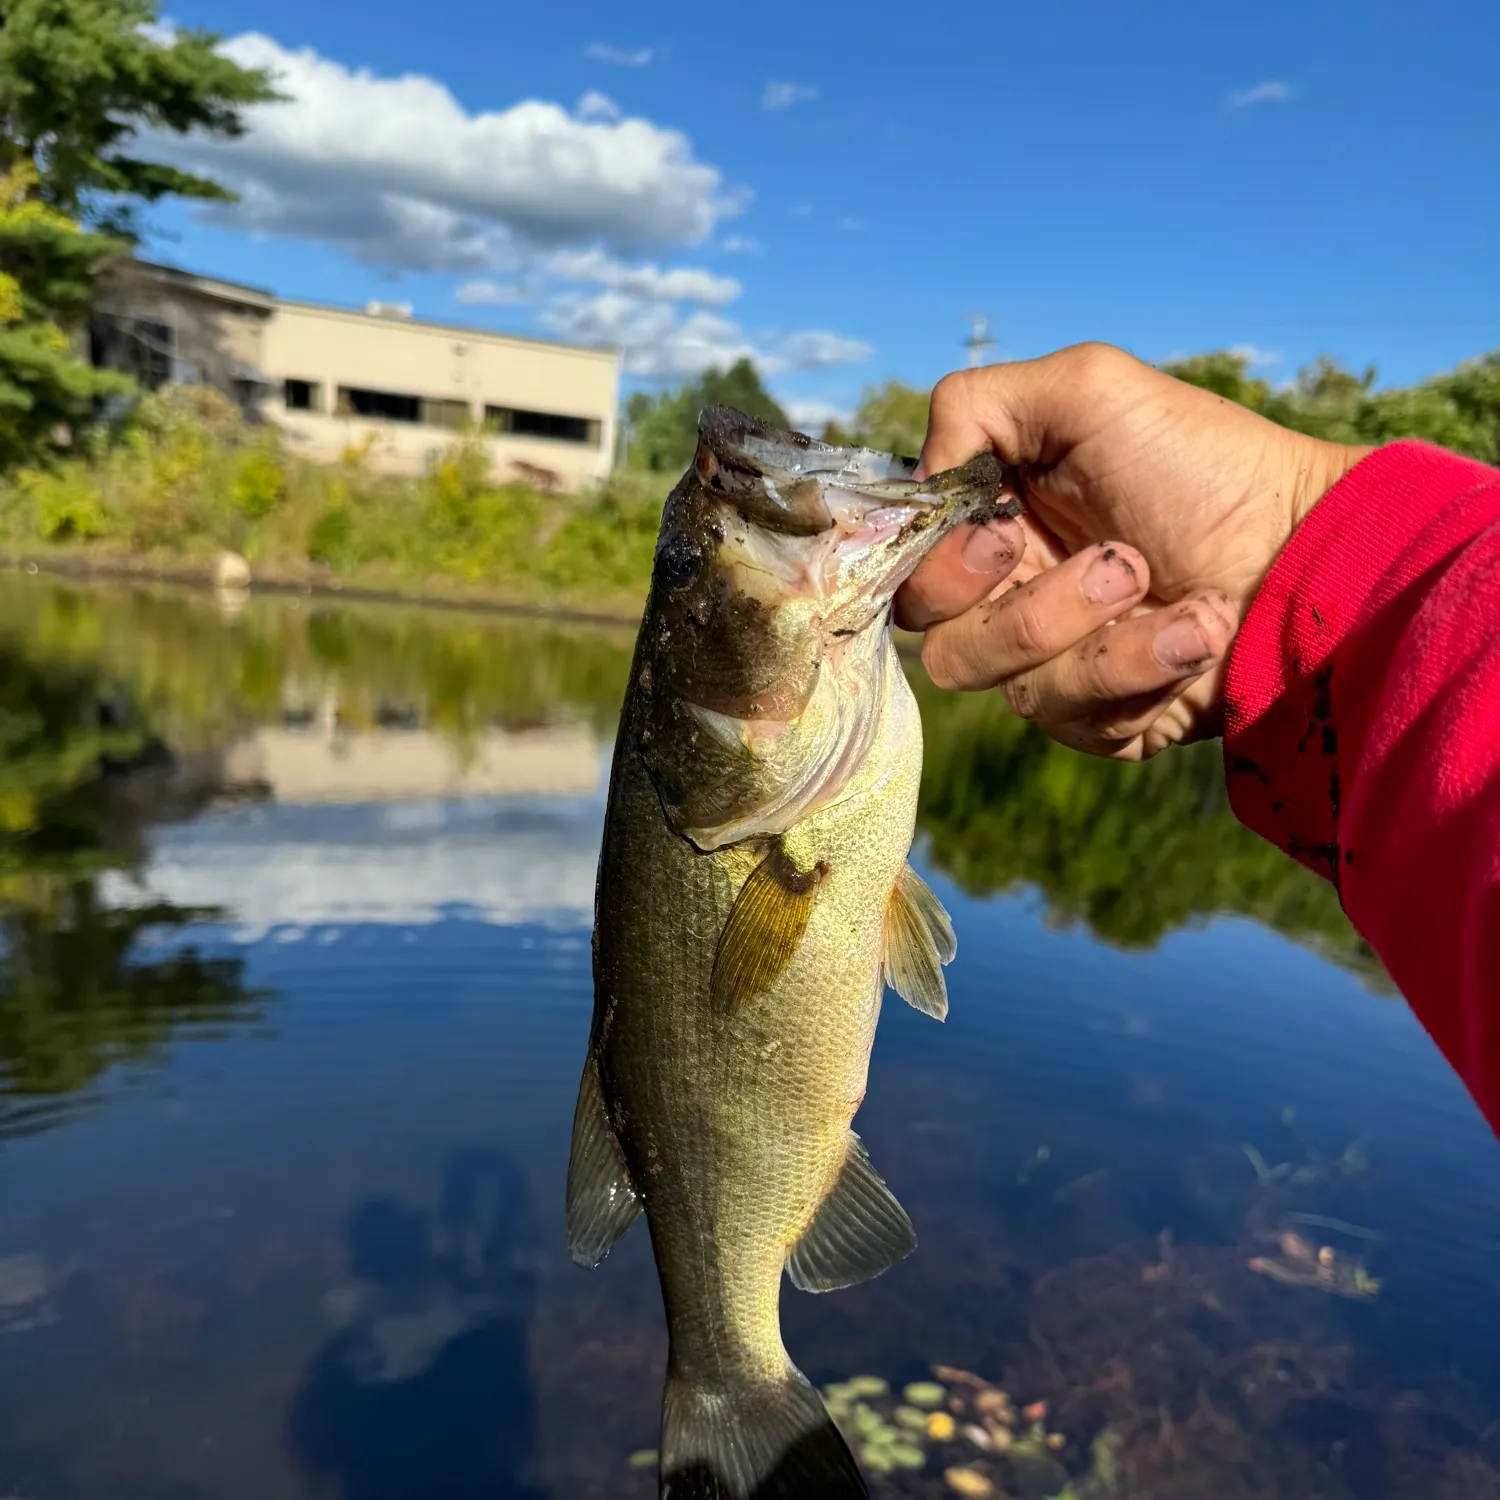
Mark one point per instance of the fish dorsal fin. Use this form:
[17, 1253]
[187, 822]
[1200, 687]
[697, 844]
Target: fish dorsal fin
[858, 1232]
[767, 921]
[918, 942]
[602, 1200]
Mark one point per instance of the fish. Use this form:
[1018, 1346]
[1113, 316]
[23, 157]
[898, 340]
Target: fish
[754, 901]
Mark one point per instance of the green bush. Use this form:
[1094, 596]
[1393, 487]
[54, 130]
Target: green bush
[65, 506]
[331, 537]
[259, 484]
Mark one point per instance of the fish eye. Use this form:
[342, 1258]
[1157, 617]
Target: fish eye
[679, 560]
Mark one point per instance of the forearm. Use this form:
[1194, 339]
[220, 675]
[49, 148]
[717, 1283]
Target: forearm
[1363, 729]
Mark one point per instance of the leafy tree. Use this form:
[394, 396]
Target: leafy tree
[45, 387]
[664, 428]
[80, 82]
[893, 418]
[1458, 410]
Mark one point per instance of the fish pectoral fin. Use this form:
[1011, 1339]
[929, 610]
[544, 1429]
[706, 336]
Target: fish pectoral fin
[859, 1231]
[918, 942]
[602, 1200]
[770, 915]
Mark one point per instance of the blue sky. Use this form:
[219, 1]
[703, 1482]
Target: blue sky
[837, 190]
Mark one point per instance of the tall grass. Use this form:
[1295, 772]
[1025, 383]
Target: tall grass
[189, 478]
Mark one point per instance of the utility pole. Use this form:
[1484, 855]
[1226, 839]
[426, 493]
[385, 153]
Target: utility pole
[978, 340]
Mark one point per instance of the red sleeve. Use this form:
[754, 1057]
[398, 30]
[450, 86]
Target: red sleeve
[1362, 730]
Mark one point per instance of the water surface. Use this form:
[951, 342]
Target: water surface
[294, 987]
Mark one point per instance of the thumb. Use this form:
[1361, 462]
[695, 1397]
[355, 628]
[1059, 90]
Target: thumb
[1030, 411]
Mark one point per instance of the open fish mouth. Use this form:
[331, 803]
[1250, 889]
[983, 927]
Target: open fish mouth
[858, 513]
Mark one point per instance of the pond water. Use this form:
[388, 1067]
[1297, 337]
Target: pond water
[294, 988]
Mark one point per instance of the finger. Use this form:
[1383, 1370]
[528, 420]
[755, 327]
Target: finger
[940, 588]
[1029, 623]
[959, 572]
[1031, 411]
[1119, 679]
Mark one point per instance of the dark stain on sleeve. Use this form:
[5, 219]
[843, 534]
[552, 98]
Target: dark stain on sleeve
[1330, 740]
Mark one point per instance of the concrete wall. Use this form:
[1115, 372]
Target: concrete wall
[336, 349]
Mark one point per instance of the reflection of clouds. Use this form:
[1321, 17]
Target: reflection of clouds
[499, 859]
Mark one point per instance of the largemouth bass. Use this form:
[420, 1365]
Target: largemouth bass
[754, 901]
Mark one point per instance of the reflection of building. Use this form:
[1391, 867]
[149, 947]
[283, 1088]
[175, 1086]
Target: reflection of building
[306, 766]
[335, 379]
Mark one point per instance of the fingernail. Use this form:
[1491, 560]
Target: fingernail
[989, 548]
[1110, 579]
[1181, 644]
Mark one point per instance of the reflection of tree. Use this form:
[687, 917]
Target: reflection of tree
[200, 679]
[76, 996]
[1132, 851]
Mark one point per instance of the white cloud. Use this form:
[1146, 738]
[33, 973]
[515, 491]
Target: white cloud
[741, 244]
[809, 414]
[658, 343]
[484, 293]
[1255, 357]
[851, 225]
[815, 349]
[1270, 91]
[785, 95]
[396, 171]
[647, 282]
[597, 106]
[618, 57]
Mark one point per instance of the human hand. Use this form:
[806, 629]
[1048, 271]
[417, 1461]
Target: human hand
[1153, 511]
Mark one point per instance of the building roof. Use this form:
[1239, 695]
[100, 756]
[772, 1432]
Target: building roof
[208, 286]
[267, 301]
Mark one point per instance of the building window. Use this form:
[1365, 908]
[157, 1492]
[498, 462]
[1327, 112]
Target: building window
[543, 424]
[387, 405]
[141, 347]
[452, 414]
[393, 406]
[303, 395]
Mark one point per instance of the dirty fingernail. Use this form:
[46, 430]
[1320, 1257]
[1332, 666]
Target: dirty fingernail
[1109, 580]
[1181, 644]
[989, 548]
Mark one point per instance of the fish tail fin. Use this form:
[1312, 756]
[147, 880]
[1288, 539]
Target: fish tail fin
[763, 1440]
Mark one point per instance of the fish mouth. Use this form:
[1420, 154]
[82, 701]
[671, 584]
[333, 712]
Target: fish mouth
[864, 521]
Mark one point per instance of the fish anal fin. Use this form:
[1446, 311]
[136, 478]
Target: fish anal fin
[918, 942]
[761, 1440]
[769, 916]
[602, 1200]
[859, 1231]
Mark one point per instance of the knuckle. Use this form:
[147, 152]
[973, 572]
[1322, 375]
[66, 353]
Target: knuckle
[951, 393]
[1020, 692]
[936, 659]
[1023, 627]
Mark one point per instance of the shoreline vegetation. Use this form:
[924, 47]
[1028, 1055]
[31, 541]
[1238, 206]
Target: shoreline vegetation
[185, 478]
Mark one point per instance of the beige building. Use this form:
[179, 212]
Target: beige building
[378, 381]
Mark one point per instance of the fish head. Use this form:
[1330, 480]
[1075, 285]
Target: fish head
[775, 568]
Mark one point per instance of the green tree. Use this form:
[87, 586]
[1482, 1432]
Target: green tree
[45, 388]
[1458, 410]
[664, 428]
[81, 83]
[893, 418]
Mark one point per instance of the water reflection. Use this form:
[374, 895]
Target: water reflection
[423, 1387]
[296, 901]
